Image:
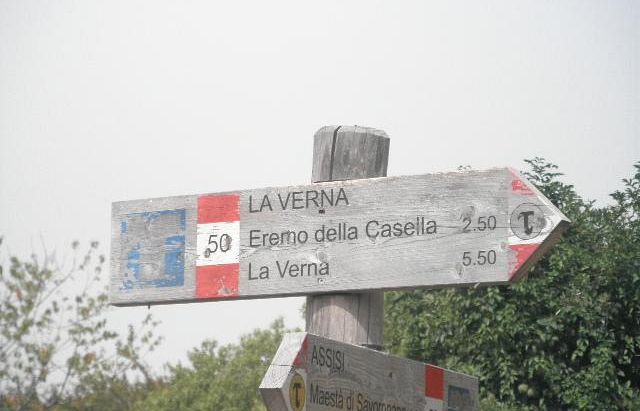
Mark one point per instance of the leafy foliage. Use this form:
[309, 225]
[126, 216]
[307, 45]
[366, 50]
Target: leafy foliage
[54, 340]
[221, 378]
[568, 337]
[57, 351]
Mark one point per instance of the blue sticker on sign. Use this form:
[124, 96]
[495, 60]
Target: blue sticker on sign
[153, 245]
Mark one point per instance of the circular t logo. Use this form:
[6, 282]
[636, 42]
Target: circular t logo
[297, 392]
[527, 221]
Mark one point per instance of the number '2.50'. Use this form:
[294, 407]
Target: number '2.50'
[483, 223]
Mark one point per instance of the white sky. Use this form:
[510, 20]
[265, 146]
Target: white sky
[106, 101]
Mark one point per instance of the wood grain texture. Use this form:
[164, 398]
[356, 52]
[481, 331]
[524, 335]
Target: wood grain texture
[343, 153]
[348, 153]
[154, 251]
[331, 375]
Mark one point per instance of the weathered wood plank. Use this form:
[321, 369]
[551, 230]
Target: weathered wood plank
[312, 373]
[425, 231]
[340, 153]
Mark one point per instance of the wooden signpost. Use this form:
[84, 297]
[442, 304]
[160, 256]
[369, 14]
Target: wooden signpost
[424, 231]
[340, 242]
[314, 373]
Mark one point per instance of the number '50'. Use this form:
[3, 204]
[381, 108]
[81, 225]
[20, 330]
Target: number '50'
[223, 244]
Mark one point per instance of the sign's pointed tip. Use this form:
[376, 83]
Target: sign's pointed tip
[521, 185]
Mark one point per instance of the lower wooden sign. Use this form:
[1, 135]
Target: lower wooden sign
[311, 373]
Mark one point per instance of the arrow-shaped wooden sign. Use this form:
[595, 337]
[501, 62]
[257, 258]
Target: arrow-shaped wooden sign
[424, 231]
[314, 373]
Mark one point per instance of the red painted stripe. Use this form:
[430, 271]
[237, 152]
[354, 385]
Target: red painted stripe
[523, 252]
[218, 208]
[217, 281]
[434, 382]
[301, 357]
[518, 185]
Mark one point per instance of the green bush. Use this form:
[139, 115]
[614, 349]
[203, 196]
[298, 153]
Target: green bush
[567, 337]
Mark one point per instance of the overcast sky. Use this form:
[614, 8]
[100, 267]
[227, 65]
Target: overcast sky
[103, 101]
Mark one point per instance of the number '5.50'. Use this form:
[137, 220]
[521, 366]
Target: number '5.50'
[224, 244]
[481, 258]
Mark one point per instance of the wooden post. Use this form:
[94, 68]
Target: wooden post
[345, 153]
